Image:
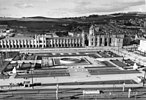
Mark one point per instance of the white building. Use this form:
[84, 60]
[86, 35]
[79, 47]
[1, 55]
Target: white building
[142, 46]
[42, 41]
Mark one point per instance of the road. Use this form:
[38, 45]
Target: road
[73, 94]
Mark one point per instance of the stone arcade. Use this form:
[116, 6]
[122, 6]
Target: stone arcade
[95, 38]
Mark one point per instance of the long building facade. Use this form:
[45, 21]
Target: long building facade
[94, 38]
[65, 42]
[41, 41]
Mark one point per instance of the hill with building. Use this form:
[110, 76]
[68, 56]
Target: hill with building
[41, 25]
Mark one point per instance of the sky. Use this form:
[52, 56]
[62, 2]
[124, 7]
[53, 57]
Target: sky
[67, 8]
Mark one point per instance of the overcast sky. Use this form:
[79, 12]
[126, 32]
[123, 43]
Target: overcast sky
[67, 8]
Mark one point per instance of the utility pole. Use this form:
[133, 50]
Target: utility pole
[129, 93]
[57, 88]
[136, 96]
[123, 86]
[32, 77]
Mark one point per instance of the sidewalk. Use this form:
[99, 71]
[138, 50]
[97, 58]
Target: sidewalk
[45, 80]
[73, 87]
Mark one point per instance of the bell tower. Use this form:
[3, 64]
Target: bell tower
[91, 35]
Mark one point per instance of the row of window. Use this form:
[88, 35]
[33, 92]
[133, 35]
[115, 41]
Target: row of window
[63, 40]
[44, 41]
[101, 39]
[20, 46]
[20, 42]
[47, 45]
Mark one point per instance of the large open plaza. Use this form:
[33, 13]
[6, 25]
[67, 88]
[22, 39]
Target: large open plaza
[85, 69]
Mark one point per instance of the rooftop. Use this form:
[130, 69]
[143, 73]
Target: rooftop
[18, 38]
[111, 30]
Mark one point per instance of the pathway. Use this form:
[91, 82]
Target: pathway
[78, 72]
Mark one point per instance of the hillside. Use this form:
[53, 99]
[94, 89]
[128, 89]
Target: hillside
[42, 24]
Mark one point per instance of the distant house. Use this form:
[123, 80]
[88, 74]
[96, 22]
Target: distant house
[142, 46]
[3, 28]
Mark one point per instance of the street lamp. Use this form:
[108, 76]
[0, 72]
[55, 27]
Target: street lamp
[32, 77]
[57, 88]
